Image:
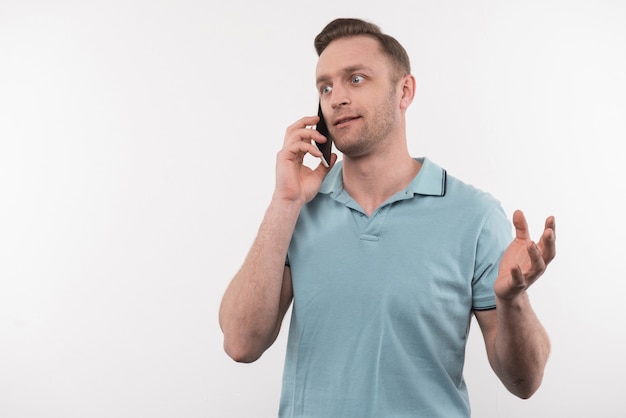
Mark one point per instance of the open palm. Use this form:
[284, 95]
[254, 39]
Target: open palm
[524, 262]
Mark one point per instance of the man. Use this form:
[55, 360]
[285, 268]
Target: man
[387, 258]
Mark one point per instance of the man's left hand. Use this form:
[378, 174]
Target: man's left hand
[524, 261]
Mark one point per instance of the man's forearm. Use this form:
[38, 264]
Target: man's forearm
[251, 310]
[522, 346]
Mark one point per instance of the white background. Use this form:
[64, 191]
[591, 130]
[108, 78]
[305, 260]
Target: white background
[137, 146]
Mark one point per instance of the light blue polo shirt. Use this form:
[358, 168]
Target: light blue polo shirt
[382, 304]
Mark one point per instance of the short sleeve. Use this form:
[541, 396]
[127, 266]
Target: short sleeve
[494, 238]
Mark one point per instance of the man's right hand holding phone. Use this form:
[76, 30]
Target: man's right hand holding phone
[294, 180]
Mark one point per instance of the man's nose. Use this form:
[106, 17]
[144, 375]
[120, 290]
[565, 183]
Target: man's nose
[340, 97]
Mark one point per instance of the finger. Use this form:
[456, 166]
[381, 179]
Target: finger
[300, 125]
[303, 123]
[322, 169]
[547, 242]
[304, 135]
[517, 279]
[297, 151]
[537, 263]
[333, 160]
[551, 223]
[521, 226]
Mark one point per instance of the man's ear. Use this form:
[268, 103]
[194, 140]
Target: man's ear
[408, 91]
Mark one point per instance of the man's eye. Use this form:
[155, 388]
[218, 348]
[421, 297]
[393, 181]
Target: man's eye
[326, 89]
[356, 79]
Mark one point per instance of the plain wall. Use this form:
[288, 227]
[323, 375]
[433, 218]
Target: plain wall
[137, 147]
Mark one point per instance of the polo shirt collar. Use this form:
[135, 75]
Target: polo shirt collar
[430, 181]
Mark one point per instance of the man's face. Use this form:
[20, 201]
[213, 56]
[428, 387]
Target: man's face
[359, 101]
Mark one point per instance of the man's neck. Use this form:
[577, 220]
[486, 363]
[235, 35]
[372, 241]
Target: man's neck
[373, 179]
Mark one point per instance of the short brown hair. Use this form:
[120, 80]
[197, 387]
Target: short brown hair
[345, 28]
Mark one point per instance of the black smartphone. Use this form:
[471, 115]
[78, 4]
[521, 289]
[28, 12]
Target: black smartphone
[326, 146]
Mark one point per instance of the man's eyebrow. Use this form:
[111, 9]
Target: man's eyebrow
[345, 71]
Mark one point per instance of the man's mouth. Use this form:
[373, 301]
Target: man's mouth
[344, 120]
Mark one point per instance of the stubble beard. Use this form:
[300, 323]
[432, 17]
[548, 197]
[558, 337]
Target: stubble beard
[379, 125]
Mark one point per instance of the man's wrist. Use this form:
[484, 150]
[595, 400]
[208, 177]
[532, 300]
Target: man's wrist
[518, 301]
